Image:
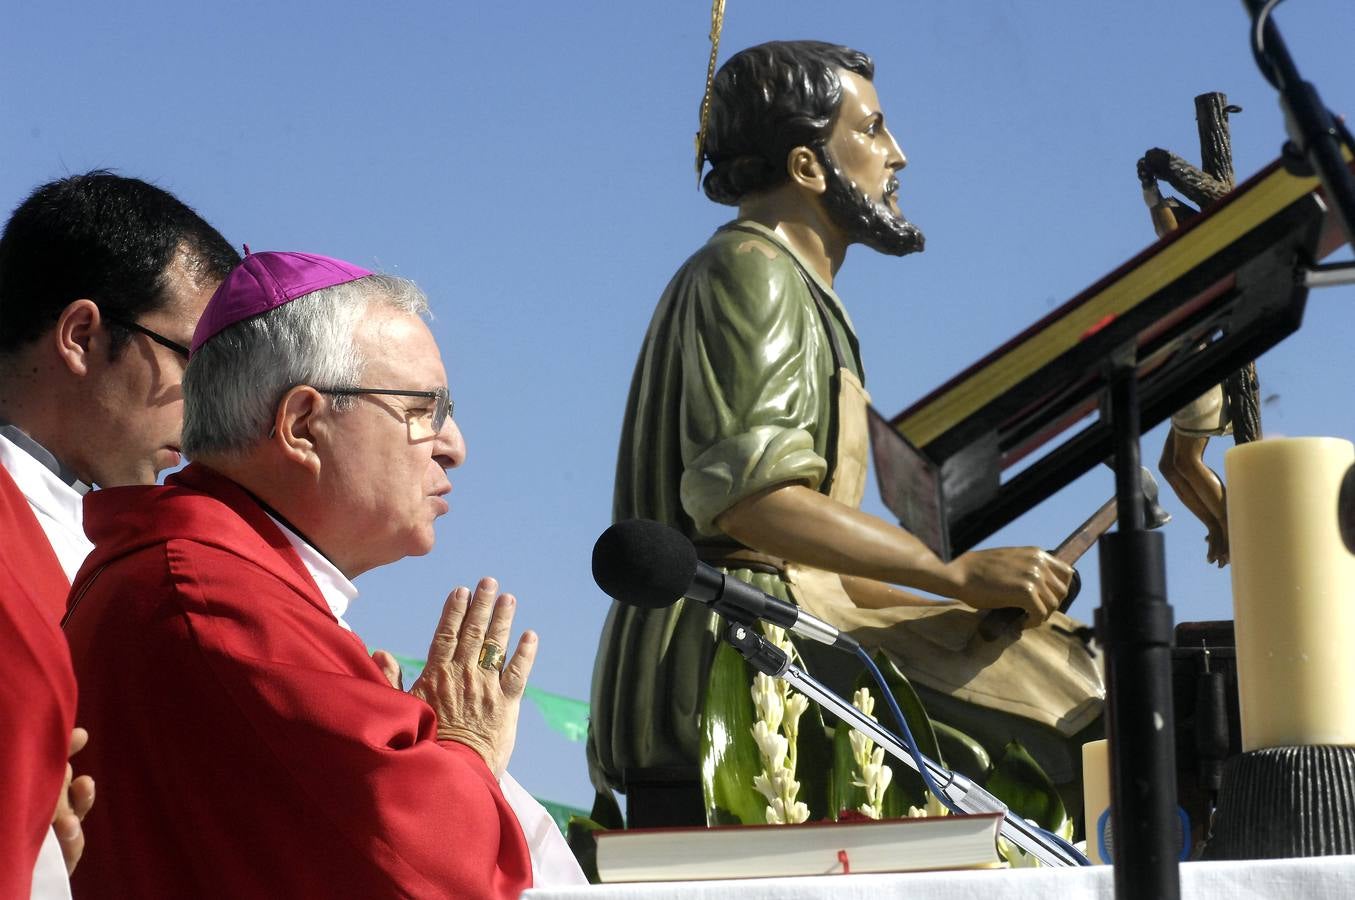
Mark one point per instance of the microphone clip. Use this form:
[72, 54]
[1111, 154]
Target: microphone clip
[760, 653]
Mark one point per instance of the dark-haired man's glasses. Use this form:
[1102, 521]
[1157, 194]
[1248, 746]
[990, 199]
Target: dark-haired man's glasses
[423, 424]
[158, 338]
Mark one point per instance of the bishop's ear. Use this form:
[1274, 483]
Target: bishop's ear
[297, 426]
[805, 169]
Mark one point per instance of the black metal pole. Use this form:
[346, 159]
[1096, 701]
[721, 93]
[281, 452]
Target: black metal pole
[1134, 624]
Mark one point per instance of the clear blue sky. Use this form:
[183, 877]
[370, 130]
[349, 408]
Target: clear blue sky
[530, 165]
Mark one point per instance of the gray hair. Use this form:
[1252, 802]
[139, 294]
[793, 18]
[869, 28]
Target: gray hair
[234, 381]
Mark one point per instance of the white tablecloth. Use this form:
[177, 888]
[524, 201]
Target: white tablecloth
[1320, 878]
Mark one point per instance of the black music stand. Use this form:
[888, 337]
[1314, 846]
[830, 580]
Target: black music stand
[1136, 346]
[1182, 314]
[1189, 310]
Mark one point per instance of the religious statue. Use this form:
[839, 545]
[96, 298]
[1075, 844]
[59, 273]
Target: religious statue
[1232, 407]
[745, 428]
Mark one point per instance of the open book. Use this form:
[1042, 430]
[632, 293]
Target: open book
[814, 848]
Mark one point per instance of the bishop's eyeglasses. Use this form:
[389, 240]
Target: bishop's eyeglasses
[423, 423]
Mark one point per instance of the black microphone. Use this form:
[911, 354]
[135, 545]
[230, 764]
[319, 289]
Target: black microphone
[650, 565]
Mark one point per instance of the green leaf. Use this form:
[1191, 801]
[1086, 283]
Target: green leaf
[844, 795]
[1019, 782]
[729, 755]
[914, 713]
[814, 765]
[962, 753]
[606, 811]
[906, 787]
[581, 836]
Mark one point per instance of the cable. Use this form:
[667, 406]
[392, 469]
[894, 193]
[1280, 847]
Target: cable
[906, 735]
[1263, 62]
[1258, 43]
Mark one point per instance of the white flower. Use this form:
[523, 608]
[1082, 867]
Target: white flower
[764, 787]
[769, 700]
[796, 704]
[776, 734]
[886, 774]
[933, 807]
[777, 635]
[771, 745]
[860, 746]
[786, 785]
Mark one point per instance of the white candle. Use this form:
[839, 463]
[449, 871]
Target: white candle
[1095, 794]
[1293, 592]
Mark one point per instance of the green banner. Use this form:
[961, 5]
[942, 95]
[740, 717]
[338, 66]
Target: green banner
[565, 715]
[561, 813]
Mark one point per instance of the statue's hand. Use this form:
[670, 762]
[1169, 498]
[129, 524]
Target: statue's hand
[1024, 577]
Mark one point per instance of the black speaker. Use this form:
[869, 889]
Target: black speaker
[1208, 718]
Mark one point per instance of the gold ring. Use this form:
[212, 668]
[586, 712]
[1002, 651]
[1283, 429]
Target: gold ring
[491, 657]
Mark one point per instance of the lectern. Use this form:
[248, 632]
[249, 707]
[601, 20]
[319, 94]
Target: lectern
[1077, 388]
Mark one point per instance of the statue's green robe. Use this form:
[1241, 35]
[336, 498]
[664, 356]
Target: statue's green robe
[734, 392]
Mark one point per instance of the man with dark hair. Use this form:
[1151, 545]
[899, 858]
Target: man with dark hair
[102, 280]
[746, 428]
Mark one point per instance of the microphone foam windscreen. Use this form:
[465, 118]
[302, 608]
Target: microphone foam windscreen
[643, 563]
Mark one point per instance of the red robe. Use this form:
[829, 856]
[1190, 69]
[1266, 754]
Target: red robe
[247, 744]
[37, 688]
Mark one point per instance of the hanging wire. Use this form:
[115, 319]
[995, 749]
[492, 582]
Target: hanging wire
[906, 736]
[1258, 49]
[1258, 42]
[717, 24]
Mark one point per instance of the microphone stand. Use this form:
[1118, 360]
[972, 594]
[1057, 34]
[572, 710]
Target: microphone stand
[960, 791]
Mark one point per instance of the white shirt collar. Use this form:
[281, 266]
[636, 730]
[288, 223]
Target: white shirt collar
[58, 507]
[21, 439]
[337, 590]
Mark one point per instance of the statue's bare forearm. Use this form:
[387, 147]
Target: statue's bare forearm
[795, 523]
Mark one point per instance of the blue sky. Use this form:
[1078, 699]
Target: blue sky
[530, 165]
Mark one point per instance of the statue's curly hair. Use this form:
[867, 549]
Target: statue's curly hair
[766, 101]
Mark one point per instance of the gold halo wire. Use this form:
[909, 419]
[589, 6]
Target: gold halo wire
[717, 23]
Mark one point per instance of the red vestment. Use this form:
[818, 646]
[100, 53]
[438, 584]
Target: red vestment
[247, 744]
[37, 688]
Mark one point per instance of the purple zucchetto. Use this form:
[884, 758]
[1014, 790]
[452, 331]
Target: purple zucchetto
[265, 281]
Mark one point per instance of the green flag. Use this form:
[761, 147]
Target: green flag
[561, 813]
[565, 715]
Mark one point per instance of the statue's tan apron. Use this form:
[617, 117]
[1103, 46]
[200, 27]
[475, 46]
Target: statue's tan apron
[1039, 673]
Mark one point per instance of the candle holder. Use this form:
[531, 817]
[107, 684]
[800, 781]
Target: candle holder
[1281, 802]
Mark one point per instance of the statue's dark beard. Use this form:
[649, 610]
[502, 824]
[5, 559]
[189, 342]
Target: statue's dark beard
[867, 221]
